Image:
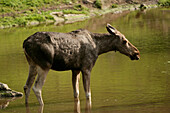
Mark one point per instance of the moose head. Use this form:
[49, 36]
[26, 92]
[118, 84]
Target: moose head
[123, 45]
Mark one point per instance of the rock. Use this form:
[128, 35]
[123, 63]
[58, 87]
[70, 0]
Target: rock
[71, 18]
[10, 94]
[5, 91]
[33, 23]
[57, 17]
[59, 14]
[4, 87]
[58, 20]
[143, 6]
[49, 21]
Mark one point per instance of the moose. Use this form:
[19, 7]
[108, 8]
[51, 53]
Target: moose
[76, 51]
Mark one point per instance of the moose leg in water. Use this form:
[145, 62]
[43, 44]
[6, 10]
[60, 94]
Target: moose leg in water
[86, 83]
[75, 82]
[39, 83]
[30, 81]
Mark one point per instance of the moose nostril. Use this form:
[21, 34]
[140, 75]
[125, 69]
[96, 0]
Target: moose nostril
[137, 57]
[136, 53]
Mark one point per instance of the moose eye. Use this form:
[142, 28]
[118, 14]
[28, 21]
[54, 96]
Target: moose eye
[124, 41]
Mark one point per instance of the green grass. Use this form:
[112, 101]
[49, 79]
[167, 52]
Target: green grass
[33, 14]
[18, 5]
[24, 19]
[24, 11]
[164, 3]
[80, 7]
[71, 11]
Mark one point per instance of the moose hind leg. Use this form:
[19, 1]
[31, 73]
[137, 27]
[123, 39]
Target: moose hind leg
[86, 84]
[30, 80]
[39, 83]
[75, 82]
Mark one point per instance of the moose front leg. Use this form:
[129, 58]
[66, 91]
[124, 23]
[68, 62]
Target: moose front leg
[75, 82]
[86, 83]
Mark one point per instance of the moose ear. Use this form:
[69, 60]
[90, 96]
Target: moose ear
[111, 29]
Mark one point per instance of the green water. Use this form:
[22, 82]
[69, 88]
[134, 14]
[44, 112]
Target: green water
[118, 84]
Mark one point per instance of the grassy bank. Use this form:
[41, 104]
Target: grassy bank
[19, 5]
[26, 12]
[33, 12]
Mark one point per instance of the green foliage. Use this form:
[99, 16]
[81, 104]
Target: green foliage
[71, 11]
[80, 7]
[98, 4]
[114, 6]
[22, 12]
[164, 3]
[37, 17]
[24, 4]
[27, 17]
[49, 17]
[11, 3]
[66, 1]
[48, 1]
[5, 9]
[5, 21]
[33, 9]
[20, 21]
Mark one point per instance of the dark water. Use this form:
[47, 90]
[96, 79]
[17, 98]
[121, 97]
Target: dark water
[118, 84]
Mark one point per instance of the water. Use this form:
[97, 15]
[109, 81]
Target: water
[118, 84]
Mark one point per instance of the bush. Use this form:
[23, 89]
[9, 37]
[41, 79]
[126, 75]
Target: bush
[49, 17]
[98, 4]
[21, 21]
[40, 18]
[67, 1]
[114, 6]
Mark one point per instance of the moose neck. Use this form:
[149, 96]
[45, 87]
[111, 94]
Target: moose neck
[104, 42]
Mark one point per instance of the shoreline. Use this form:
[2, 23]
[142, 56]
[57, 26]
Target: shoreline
[57, 17]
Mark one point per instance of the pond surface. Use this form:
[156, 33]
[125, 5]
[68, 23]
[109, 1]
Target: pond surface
[118, 84]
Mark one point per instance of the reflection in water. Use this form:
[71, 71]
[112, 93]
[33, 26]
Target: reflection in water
[40, 109]
[77, 107]
[88, 106]
[4, 102]
[140, 13]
